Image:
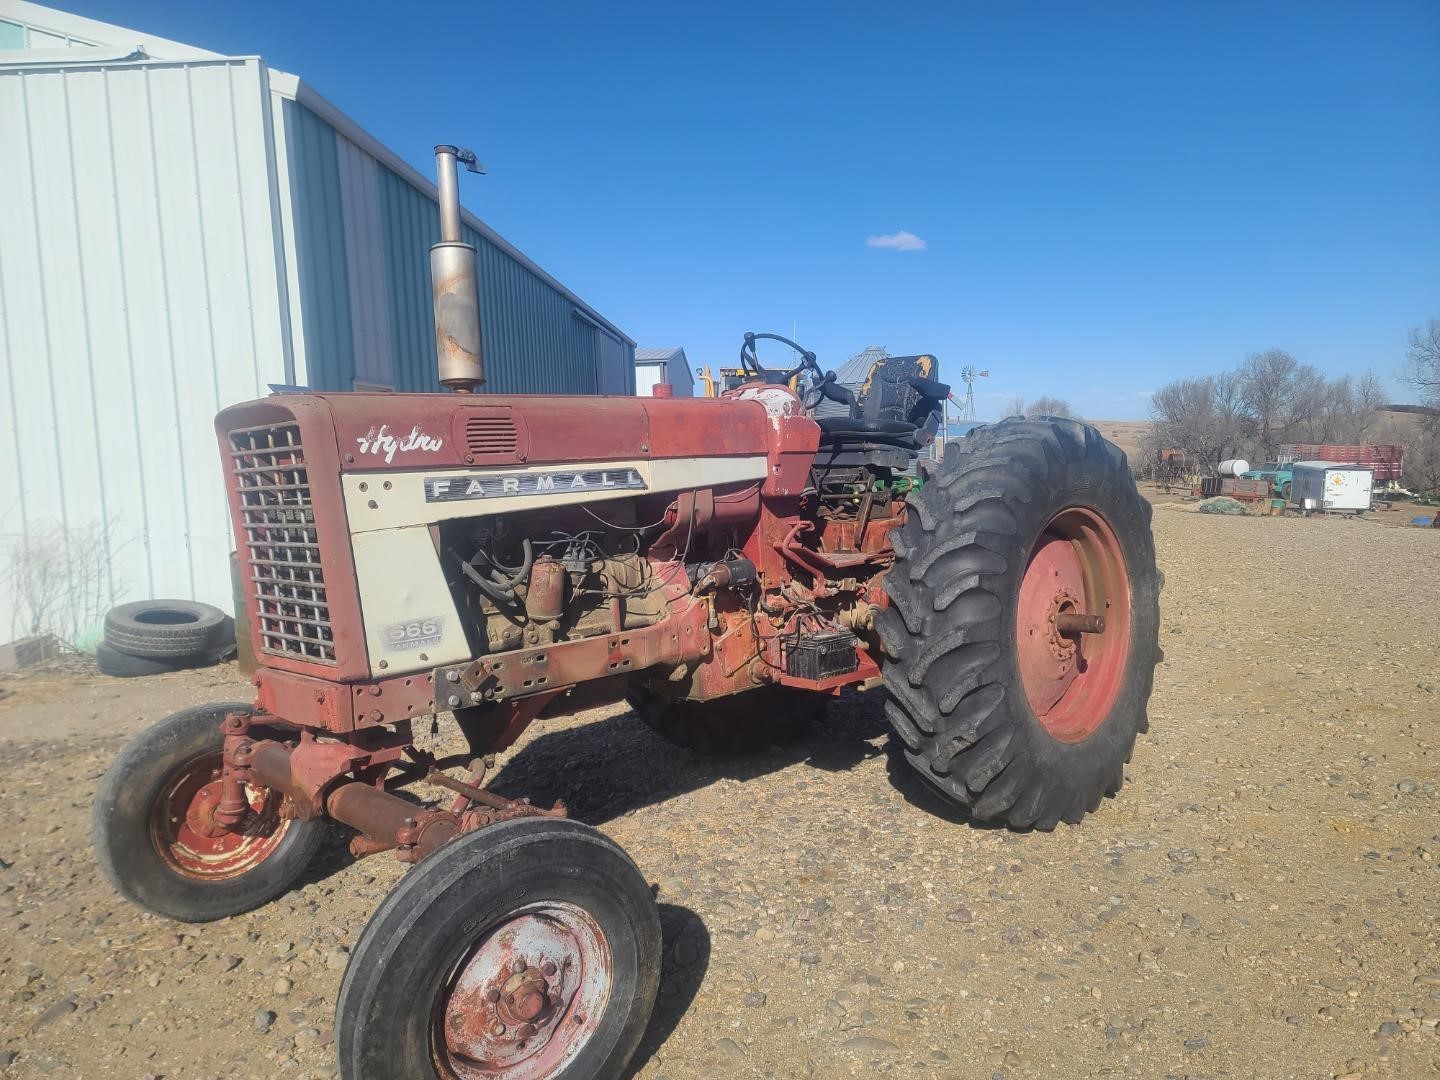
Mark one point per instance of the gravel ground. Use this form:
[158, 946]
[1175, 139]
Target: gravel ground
[1261, 900]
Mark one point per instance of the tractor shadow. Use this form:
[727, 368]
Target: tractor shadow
[684, 959]
[611, 767]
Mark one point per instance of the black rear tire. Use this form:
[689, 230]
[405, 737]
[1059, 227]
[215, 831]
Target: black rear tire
[126, 828]
[399, 987]
[953, 676]
[740, 723]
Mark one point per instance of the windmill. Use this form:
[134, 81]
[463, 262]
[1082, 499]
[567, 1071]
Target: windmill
[970, 374]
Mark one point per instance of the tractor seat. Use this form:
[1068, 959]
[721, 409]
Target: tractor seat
[832, 427]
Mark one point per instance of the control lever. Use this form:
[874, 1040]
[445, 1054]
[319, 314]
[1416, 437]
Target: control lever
[827, 387]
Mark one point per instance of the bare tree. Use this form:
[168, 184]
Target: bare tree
[1272, 399]
[1046, 406]
[57, 578]
[1351, 409]
[1199, 416]
[1422, 371]
[1016, 406]
[1422, 362]
[1266, 393]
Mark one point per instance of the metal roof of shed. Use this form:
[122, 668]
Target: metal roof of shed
[658, 356]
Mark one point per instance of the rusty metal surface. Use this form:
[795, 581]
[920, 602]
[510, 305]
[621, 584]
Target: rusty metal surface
[319, 703]
[387, 818]
[679, 638]
[196, 841]
[516, 807]
[1071, 623]
[1076, 569]
[840, 534]
[321, 462]
[527, 996]
[545, 597]
[304, 773]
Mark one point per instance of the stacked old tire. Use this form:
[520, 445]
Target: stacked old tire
[149, 637]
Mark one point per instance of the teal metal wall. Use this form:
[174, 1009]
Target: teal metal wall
[533, 339]
[320, 250]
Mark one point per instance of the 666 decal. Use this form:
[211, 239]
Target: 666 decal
[413, 633]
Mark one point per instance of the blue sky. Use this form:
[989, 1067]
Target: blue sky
[1109, 195]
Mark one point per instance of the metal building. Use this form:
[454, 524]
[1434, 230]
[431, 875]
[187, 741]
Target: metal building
[654, 366]
[178, 230]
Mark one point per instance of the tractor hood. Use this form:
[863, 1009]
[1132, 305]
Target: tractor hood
[376, 432]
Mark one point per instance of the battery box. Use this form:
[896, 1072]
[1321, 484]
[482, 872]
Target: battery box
[821, 656]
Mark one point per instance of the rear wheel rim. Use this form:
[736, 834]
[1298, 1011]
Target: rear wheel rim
[525, 997]
[193, 843]
[1072, 681]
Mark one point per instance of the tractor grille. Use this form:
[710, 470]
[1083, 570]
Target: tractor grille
[489, 436]
[283, 549]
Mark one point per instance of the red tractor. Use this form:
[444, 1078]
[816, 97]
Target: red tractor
[730, 564]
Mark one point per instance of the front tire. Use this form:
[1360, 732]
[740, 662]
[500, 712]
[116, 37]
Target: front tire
[1025, 527]
[159, 846]
[527, 950]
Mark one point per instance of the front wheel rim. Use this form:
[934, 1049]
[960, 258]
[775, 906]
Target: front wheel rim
[525, 998]
[193, 843]
[1072, 679]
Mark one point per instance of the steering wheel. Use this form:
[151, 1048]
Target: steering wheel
[750, 361]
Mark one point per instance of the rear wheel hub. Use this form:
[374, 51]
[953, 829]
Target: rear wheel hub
[1072, 667]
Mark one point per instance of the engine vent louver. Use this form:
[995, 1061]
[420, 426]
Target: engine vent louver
[491, 436]
[282, 545]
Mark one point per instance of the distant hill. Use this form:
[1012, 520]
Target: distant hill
[1126, 434]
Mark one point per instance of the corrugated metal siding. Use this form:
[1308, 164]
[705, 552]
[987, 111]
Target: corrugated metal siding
[139, 293]
[365, 265]
[533, 341]
[320, 249]
[362, 231]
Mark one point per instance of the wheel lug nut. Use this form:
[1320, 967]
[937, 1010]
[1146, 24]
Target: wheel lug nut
[519, 965]
[548, 967]
[497, 1028]
[492, 996]
[526, 1030]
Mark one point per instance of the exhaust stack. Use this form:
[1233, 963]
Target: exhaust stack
[455, 281]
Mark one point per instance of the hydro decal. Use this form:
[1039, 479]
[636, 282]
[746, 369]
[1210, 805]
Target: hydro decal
[456, 488]
[382, 442]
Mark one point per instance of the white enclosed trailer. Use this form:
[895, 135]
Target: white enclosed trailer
[1327, 485]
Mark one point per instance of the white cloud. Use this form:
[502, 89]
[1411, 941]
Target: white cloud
[898, 241]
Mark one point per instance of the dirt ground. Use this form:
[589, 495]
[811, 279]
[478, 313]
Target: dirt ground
[1262, 899]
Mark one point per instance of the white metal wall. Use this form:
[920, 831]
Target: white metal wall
[139, 253]
[647, 375]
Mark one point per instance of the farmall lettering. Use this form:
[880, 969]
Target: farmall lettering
[455, 488]
[382, 442]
